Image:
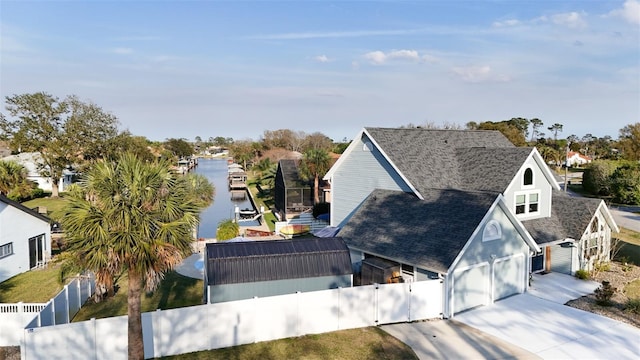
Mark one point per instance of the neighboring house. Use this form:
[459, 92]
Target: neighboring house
[576, 159]
[293, 195]
[25, 239]
[243, 270]
[465, 206]
[33, 162]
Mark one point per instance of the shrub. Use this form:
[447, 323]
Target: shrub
[604, 293]
[583, 274]
[633, 305]
[227, 229]
[601, 266]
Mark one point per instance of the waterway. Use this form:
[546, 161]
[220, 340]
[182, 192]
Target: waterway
[223, 206]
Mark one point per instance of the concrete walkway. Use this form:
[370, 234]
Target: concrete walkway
[450, 339]
[190, 267]
[560, 288]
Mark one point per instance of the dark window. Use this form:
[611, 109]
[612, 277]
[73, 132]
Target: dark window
[533, 203]
[528, 177]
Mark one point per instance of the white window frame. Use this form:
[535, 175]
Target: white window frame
[6, 250]
[527, 202]
[533, 178]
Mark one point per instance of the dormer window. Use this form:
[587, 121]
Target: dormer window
[528, 177]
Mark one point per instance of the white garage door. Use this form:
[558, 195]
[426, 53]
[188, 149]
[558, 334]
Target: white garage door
[508, 276]
[470, 287]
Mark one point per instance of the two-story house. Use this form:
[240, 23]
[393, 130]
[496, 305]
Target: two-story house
[464, 206]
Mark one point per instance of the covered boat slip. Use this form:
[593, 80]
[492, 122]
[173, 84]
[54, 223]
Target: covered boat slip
[243, 270]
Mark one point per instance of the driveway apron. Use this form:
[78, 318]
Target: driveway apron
[554, 331]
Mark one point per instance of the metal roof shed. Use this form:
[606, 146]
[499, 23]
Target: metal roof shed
[243, 270]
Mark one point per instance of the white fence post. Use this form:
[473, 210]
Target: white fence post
[20, 307]
[79, 286]
[66, 300]
[53, 311]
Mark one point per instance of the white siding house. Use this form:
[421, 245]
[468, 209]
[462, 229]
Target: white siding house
[25, 239]
[33, 162]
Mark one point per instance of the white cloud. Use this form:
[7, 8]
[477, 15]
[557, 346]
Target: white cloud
[404, 54]
[376, 57]
[507, 23]
[379, 57]
[630, 11]
[332, 35]
[572, 20]
[476, 74]
[122, 51]
[322, 58]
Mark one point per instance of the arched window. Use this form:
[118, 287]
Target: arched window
[528, 177]
[594, 225]
[492, 231]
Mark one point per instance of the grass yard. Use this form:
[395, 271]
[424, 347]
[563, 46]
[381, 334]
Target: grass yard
[632, 290]
[35, 286]
[55, 207]
[175, 291]
[630, 248]
[364, 343]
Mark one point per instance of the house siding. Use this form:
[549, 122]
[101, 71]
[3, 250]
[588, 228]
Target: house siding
[232, 292]
[17, 226]
[362, 172]
[484, 258]
[540, 183]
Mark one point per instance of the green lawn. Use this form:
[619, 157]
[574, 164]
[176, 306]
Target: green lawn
[364, 343]
[174, 291]
[35, 286]
[632, 290]
[55, 207]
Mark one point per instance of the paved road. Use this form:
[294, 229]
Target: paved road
[627, 216]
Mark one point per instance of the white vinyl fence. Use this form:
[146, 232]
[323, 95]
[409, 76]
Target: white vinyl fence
[220, 325]
[59, 310]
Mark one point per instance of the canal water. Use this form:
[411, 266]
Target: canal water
[223, 206]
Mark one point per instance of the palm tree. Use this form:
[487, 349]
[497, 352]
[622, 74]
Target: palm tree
[13, 180]
[132, 217]
[315, 163]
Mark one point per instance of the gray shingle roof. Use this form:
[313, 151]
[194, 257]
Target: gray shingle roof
[23, 208]
[570, 217]
[254, 261]
[428, 233]
[432, 159]
[490, 169]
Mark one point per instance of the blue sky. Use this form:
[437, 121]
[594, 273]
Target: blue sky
[235, 69]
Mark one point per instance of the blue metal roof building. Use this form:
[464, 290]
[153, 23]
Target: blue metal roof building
[243, 270]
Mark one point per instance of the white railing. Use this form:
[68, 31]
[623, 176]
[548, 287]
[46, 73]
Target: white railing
[59, 310]
[21, 308]
[213, 326]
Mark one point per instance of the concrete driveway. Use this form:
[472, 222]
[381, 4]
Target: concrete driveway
[450, 339]
[554, 331]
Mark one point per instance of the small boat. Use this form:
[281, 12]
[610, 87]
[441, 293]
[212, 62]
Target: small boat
[247, 213]
[296, 229]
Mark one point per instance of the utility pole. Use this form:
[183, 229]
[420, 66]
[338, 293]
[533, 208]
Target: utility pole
[566, 167]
